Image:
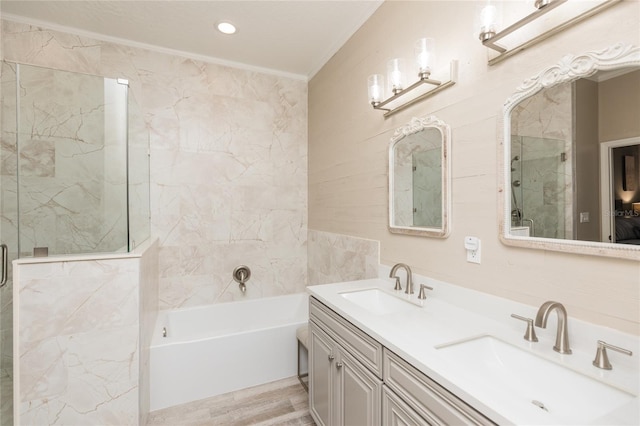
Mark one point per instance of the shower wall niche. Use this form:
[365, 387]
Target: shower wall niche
[75, 163]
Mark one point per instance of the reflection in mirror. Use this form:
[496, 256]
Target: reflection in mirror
[541, 164]
[572, 155]
[418, 178]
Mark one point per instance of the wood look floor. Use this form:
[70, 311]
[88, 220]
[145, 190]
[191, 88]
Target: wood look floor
[284, 402]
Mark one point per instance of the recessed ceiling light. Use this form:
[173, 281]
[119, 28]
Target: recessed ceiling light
[226, 27]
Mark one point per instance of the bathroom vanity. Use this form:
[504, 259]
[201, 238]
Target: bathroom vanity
[379, 356]
[349, 390]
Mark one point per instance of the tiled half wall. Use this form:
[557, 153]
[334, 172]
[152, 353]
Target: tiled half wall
[82, 337]
[336, 257]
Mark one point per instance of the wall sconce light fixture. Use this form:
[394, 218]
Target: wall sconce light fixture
[490, 16]
[401, 96]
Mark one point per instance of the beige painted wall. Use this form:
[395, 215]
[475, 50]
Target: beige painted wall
[587, 159]
[348, 144]
[619, 107]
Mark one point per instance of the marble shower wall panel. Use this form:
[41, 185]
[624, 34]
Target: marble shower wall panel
[335, 257]
[78, 346]
[228, 163]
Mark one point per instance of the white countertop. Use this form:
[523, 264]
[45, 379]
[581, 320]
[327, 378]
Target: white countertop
[452, 313]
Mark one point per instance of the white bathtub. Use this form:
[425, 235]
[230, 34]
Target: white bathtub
[221, 348]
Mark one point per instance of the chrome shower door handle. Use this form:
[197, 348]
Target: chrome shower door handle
[5, 264]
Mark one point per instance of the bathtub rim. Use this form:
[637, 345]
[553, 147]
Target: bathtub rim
[158, 341]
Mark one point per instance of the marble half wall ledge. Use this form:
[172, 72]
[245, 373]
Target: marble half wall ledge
[138, 252]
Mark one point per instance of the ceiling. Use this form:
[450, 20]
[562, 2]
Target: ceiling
[293, 38]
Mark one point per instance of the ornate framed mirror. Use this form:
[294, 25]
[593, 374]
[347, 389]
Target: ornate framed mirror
[420, 178]
[570, 155]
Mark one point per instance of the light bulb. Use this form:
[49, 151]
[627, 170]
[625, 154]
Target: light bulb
[425, 56]
[488, 22]
[396, 75]
[376, 88]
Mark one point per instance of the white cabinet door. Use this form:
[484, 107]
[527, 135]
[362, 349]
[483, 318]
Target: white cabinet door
[342, 392]
[360, 393]
[321, 373]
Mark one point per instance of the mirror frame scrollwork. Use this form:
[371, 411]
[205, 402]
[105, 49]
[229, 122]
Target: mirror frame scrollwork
[417, 125]
[570, 68]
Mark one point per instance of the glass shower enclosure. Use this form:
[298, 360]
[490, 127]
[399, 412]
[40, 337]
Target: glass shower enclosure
[541, 187]
[74, 176]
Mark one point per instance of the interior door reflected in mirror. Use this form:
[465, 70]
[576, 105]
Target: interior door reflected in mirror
[419, 178]
[572, 156]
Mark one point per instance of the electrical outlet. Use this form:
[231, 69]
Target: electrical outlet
[584, 217]
[472, 244]
[473, 256]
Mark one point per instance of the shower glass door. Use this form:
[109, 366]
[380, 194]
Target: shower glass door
[72, 162]
[63, 177]
[541, 187]
[427, 188]
[8, 233]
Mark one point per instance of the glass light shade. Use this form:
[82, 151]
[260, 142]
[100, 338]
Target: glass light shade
[376, 88]
[424, 50]
[396, 75]
[226, 27]
[489, 17]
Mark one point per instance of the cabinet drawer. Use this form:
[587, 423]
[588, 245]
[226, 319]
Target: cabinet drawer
[396, 412]
[359, 344]
[437, 405]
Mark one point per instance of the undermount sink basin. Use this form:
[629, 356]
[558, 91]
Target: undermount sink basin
[557, 390]
[376, 301]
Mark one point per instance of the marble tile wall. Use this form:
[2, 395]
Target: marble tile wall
[335, 257]
[82, 341]
[228, 163]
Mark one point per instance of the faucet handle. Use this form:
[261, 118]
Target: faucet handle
[530, 334]
[398, 286]
[423, 294]
[602, 360]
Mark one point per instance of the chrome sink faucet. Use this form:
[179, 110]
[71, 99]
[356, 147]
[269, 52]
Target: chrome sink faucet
[562, 335]
[392, 274]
